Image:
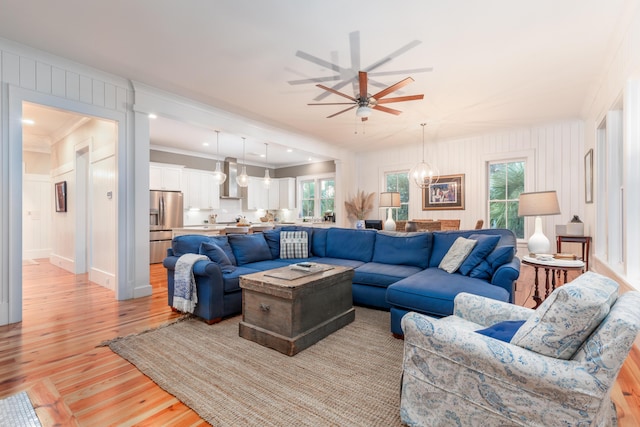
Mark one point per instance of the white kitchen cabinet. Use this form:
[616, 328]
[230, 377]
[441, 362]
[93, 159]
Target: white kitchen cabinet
[287, 193]
[257, 194]
[281, 194]
[200, 190]
[165, 177]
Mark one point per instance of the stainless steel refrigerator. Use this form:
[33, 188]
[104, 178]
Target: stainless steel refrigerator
[166, 213]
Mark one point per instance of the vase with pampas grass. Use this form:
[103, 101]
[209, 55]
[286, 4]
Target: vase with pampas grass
[359, 206]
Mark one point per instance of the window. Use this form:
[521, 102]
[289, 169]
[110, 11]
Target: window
[399, 182]
[308, 191]
[317, 196]
[506, 182]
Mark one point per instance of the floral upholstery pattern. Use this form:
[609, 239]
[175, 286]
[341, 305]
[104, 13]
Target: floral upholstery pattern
[565, 319]
[455, 376]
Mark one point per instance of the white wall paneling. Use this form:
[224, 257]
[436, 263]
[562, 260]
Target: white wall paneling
[558, 149]
[620, 79]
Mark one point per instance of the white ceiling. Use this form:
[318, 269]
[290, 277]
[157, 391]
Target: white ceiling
[496, 63]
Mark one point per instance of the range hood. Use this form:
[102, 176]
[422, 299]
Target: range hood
[230, 188]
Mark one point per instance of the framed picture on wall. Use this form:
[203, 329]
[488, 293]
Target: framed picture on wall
[61, 196]
[588, 177]
[446, 194]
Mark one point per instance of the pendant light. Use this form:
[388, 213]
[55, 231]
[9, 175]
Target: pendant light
[267, 179]
[424, 174]
[218, 176]
[243, 178]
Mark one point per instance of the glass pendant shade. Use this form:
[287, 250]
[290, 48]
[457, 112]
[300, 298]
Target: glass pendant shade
[267, 179]
[424, 174]
[218, 176]
[243, 179]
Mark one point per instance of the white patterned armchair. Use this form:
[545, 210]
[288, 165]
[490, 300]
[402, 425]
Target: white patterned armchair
[557, 370]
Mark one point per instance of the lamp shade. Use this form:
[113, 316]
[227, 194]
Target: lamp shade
[389, 200]
[538, 203]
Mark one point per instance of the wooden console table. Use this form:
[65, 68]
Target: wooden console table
[584, 240]
[556, 265]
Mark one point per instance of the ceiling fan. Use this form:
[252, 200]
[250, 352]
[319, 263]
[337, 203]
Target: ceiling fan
[365, 103]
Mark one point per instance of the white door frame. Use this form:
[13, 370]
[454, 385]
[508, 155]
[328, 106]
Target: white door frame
[11, 261]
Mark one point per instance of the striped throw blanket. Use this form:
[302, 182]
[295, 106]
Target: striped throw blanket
[185, 296]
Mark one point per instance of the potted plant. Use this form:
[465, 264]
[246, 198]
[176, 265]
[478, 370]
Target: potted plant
[359, 206]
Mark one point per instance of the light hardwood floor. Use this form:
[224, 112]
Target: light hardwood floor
[54, 355]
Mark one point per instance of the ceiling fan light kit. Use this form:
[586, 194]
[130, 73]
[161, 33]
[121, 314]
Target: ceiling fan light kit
[366, 103]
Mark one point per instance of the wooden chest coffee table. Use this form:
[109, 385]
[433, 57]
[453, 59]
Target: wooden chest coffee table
[289, 310]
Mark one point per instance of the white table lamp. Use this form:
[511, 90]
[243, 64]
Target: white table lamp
[390, 200]
[537, 204]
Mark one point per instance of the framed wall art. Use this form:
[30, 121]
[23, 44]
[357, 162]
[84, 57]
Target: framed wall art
[61, 196]
[588, 177]
[446, 194]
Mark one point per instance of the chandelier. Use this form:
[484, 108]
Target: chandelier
[424, 174]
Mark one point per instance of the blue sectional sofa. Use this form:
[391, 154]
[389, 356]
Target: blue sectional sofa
[396, 271]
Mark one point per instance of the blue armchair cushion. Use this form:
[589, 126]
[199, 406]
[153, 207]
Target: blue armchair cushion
[499, 256]
[217, 255]
[249, 248]
[486, 244]
[399, 249]
[223, 243]
[187, 244]
[502, 331]
[457, 253]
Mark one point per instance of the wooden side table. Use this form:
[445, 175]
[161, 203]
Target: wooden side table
[584, 240]
[556, 265]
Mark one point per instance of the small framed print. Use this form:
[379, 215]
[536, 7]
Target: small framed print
[61, 196]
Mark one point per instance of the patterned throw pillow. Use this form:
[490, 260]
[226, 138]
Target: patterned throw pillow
[456, 255]
[294, 244]
[568, 316]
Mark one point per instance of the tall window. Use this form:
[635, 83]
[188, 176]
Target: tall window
[317, 196]
[506, 182]
[399, 182]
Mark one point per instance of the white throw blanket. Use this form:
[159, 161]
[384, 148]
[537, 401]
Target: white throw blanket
[185, 296]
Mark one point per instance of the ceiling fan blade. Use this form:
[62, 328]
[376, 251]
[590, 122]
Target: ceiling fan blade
[401, 99]
[362, 76]
[393, 73]
[393, 88]
[387, 110]
[328, 89]
[331, 103]
[319, 61]
[392, 55]
[313, 80]
[354, 42]
[343, 111]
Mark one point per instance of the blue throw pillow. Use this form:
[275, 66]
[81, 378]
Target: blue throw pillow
[319, 242]
[273, 240]
[486, 244]
[249, 248]
[223, 242]
[502, 331]
[486, 268]
[217, 255]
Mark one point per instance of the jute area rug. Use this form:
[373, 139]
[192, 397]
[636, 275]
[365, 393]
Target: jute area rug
[350, 378]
